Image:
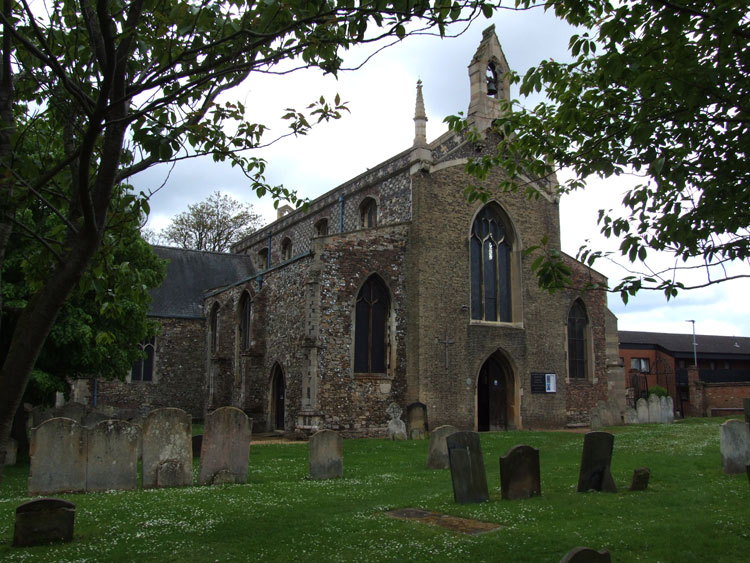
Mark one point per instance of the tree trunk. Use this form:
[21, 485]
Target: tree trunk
[34, 325]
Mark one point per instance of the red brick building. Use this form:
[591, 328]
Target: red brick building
[722, 380]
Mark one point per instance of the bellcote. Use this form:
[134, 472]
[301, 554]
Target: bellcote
[490, 86]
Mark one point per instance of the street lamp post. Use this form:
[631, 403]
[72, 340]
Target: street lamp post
[695, 345]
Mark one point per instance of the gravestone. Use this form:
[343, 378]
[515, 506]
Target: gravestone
[586, 555]
[225, 445]
[596, 460]
[112, 456]
[44, 521]
[519, 473]
[595, 422]
[735, 446]
[605, 413]
[167, 449]
[640, 479]
[670, 410]
[654, 409]
[57, 457]
[642, 408]
[197, 444]
[11, 452]
[437, 454]
[631, 416]
[416, 421]
[467, 468]
[396, 426]
[326, 455]
[664, 410]
[746, 405]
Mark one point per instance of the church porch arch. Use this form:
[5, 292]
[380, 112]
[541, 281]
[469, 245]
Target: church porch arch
[277, 399]
[497, 395]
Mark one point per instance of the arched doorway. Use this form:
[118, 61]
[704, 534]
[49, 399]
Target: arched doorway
[494, 395]
[276, 418]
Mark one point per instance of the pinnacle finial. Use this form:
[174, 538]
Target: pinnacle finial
[420, 119]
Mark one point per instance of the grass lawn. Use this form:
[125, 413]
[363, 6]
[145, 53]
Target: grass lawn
[690, 512]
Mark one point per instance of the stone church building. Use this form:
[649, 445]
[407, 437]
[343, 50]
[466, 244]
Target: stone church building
[389, 288]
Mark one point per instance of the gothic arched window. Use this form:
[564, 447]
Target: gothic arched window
[371, 327]
[577, 341]
[143, 368]
[244, 327]
[286, 249]
[490, 267]
[368, 213]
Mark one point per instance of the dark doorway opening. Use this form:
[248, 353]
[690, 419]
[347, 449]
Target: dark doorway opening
[277, 399]
[492, 396]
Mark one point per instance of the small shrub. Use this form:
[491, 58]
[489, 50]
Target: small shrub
[658, 390]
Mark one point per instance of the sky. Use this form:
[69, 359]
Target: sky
[381, 98]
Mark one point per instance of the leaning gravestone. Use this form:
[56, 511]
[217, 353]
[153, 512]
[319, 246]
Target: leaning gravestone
[11, 452]
[416, 421]
[642, 408]
[396, 426]
[640, 479]
[519, 473]
[58, 457]
[654, 409]
[437, 454]
[735, 446]
[112, 457]
[43, 521]
[631, 416]
[225, 446]
[326, 455]
[167, 449]
[586, 555]
[467, 468]
[596, 460]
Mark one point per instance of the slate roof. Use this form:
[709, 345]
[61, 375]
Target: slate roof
[681, 344]
[190, 273]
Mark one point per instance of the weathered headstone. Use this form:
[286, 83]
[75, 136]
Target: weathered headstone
[596, 460]
[326, 455]
[43, 521]
[225, 445]
[437, 454]
[664, 410]
[519, 473]
[654, 409]
[467, 468]
[735, 446]
[416, 421]
[167, 449]
[642, 407]
[58, 457]
[112, 457]
[670, 410]
[605, 413]
[631, 416]
[396, 426]
[11, 452]
[197, 444]
[586, 555]
[746, 405]
[640, 479]
[595, 416]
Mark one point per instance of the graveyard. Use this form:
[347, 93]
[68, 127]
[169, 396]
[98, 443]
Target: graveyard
[389, 506]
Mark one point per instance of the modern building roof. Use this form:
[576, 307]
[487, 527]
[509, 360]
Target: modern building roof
[682, 344]
[190, 274]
